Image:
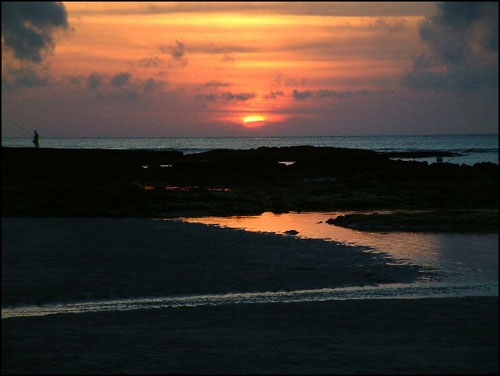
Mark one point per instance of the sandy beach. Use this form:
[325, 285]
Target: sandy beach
[48, 260]
[427, 336]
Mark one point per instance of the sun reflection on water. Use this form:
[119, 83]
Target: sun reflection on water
[460, 256]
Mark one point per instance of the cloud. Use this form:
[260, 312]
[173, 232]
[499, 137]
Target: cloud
[94, 81]
[353, 9]
[212, 48]
[389, 25]
[228, 58]
[463, 45]
[216, 84]
[153, 85]
[206, 97]
[121, 87]
[28, 27]
[121, 79]
[274, 94]
[177, 53]
[324, 93]
[299, 95]
[226, 96]
[293, 81]
[26, 76]
[75, 80]
[149, 62]
[116, 89]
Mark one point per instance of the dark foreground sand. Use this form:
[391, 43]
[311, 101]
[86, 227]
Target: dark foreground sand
[46, 260]
[453, 336]
[61, 260]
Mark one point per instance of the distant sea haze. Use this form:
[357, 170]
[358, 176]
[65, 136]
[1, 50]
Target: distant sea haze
[472, 148]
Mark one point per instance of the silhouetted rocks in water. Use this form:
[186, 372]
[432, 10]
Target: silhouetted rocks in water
[291, 232]
[419, 154]
[481, 221]
[78, 182]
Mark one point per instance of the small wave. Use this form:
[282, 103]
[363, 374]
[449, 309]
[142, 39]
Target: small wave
[388, 291]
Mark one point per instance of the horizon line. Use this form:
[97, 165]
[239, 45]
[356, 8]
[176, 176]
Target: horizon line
[309, 136]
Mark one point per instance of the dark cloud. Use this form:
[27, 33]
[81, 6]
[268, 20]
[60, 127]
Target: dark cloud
[216, 84]
[206, 97]
[121, 87]
[75, 80]
[326, 93]
[149, 62]
[274, 94]
[177, 53]
[459, 15]
[153, 85]
[299, 95]
[341, 94]
[463, 42]
[24, 76]
[121, 79]
[94, 81]
[28, 27]
[226, 96]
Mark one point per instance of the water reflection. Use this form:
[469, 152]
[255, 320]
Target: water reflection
[461, 257]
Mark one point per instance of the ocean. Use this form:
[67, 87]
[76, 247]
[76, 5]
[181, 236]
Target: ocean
[471, 148]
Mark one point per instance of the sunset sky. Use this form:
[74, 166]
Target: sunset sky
[125, 69]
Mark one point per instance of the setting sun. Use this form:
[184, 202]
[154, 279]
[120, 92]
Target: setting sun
[253, 118]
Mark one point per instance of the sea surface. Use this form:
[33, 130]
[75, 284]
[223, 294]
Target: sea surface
[472, 148]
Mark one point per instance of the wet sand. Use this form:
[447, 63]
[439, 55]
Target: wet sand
[426, 336]
[50, 260]
[70, 259]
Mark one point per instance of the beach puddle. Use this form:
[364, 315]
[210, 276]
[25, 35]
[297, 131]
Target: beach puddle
[459, 257]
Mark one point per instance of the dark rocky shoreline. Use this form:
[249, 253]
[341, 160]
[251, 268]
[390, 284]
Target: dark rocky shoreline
[142, 183]
[480, 221]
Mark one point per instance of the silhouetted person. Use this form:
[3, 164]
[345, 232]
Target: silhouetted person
[35, 139]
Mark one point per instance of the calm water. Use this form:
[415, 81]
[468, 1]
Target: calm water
[473, 148]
